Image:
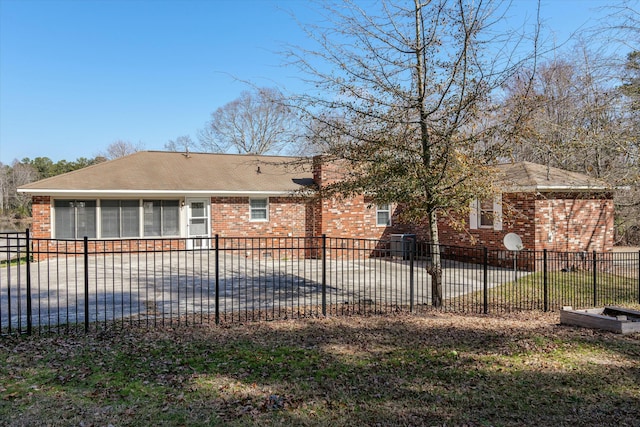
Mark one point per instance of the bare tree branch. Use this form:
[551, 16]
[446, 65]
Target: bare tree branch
[257, 122]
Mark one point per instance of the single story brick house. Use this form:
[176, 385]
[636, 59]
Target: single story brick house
[167, 195]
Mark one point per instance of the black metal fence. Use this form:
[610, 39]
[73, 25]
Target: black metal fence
[59, 285]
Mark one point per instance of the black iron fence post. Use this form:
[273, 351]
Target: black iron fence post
[324, 274]
[28, 265]
[412, 257]
[545, 281]
[595, 279]
[217, 278]
[9, 254]
[86, 284]
[485, 281]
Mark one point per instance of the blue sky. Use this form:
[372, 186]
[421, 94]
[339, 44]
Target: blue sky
[76, 75]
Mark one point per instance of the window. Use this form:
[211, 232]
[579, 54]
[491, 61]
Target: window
[120, 218]
[383, 215]
[161, 217]
[75, 219]
[485, 209]
[259, 209]
[486, 214]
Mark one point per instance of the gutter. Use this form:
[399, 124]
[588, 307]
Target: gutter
[158, 193]
[555, 188]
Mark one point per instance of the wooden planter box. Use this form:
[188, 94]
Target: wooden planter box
[615, 319]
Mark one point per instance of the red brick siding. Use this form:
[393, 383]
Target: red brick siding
[517, 213]
[41, 214]
[231, 217]
[575, 223]
[46, 248]
[581, 222]
[349, 218]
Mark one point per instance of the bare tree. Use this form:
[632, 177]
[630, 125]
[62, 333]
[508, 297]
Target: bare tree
[182, 143]
[583, 122]
[21, 174]
[621, 25]
[404, 91]
[121, 148]
[257, 122]
[5, 186]
[579, 120]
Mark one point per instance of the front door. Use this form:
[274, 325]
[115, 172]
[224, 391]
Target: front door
[198, 224]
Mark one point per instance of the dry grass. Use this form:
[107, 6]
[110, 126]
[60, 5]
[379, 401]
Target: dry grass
[432, 370]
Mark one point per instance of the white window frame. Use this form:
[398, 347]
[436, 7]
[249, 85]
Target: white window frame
[74, 202]
[384, 208]
[476, 215]
[253, 209]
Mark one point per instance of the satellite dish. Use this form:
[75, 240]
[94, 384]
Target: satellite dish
[513, 242]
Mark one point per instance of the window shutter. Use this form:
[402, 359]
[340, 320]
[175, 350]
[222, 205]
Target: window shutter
[497, 213]
[473, 215]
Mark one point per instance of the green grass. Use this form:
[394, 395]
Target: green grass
[12, 262]
[438, 369]
[563, 288]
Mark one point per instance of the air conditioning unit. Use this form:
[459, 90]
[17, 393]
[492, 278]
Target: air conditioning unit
[401, 245]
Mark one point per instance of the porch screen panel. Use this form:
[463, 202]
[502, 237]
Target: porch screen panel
[109, 211]
[161, 217]
[65, 219]
[152, 217]
[130, 218]
[75, 218]
[120, 218]
[86, 218]
[170, 218]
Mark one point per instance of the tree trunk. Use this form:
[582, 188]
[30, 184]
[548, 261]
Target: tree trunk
[435, 271]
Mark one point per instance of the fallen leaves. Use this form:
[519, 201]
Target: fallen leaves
[436, 369]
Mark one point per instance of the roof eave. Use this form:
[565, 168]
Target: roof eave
[153, 193]
[555, 188]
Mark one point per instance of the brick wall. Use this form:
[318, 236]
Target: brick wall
[517, 213]
[553, 221]
[349, 218]
[231, 217]
[575, 222]
[41, 215]
[46, 248]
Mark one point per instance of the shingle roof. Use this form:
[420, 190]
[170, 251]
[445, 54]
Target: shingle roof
[527, 176]
[170, 173]
[151, 172]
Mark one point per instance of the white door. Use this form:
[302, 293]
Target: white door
[198, 224]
